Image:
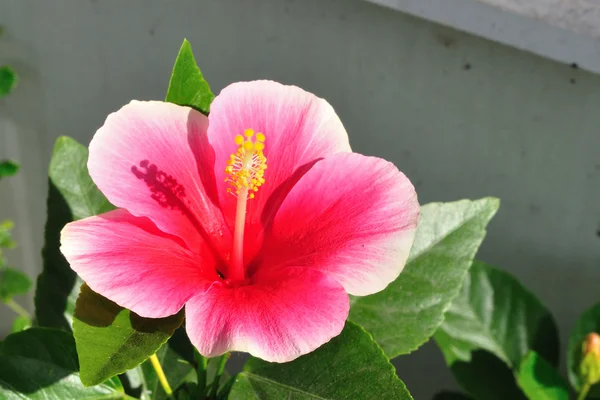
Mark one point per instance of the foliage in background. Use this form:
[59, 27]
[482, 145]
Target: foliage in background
[8, 80]
[12, 281]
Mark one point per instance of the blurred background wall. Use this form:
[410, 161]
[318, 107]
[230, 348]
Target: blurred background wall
[463, 117]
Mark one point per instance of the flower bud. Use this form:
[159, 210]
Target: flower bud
[589, 368]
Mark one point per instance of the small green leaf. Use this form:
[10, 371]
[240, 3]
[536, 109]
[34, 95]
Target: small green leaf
[20, 324]
[587, 323]
[489, 328]
[13, 282]
[8, 168]
[40, 364]
[111, 339]
[5, 237]
[8, 80]
[187, 86]
[351, 366]
[540, 380]
[406, 314]
[71, 195]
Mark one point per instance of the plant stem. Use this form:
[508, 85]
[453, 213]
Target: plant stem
[161, 375]
[18, 309]
[220, 370]
[584, 391]
[202, 364]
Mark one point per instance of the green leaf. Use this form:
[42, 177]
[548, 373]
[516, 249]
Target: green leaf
[42, 364]
[187, 86]
[587, 323]
[8, 168]
[13, 282]
[540, 380]
[350, 366]
[489, 328]
[8, 80]
[5, 237]
[69, 173]
[111, 339]
[406, 314]
[176, 368]
[496, 313]
[20, 324]
[71, 195]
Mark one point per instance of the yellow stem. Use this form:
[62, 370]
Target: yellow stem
[161, 375]
[17, 308]
[584, 391]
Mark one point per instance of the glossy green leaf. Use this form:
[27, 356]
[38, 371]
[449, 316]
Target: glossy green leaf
[41, 364]
[496, 313]
[489, 328]
[71, 195]
[540, 380]
[5, 236]
[68, 171]
[20, 324]
[587, 323]
[12, 283]
[351, 366]
[8, 80]
[406, 314]
[111, 339]
[8, 168]
[187, 86]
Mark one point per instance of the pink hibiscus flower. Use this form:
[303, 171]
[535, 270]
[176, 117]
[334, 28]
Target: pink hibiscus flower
[262, 258]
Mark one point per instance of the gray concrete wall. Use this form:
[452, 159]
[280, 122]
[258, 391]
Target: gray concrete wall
[462, 116]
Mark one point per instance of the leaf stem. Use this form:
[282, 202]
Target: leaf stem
[161, 375]
[584, 391]
[220, 370]
[13, 305]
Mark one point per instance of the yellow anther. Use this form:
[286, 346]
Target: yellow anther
[245, 168]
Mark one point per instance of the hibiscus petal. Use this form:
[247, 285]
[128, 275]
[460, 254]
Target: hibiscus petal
[129, 261]
[351, 216]
[299, 128]
[153, 159]
[281, 315]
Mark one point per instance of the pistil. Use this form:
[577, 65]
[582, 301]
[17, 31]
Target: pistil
[245, 170]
